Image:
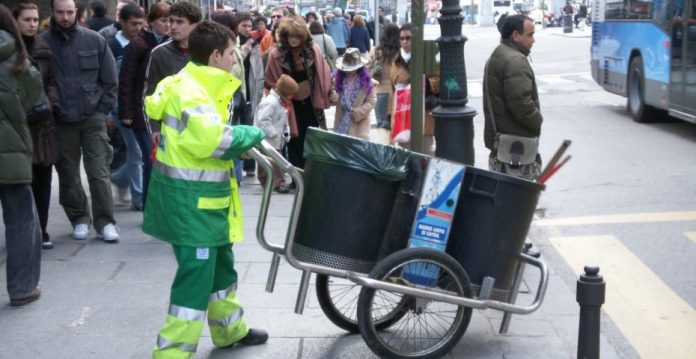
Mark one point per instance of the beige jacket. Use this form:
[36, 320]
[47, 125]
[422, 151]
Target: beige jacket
[360, 117]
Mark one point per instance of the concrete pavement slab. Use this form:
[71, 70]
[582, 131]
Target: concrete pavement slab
[108, 301]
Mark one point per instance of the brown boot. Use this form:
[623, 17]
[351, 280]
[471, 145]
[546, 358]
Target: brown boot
[34, 296]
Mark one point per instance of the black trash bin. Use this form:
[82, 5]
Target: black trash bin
[351, 185]
[490, 225]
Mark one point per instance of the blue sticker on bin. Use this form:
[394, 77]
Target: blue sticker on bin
[433, 220]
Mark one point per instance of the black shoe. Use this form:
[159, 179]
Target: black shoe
[35, 295]
[47, 245]
[254, 337]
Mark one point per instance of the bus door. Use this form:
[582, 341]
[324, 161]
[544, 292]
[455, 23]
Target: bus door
[682, 90]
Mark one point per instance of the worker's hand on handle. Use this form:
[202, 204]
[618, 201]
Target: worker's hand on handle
[156, 136]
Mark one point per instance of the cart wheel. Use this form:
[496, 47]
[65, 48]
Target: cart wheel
[338, 299]
[426, 328]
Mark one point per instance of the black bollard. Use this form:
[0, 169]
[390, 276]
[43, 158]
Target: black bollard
[590, 296]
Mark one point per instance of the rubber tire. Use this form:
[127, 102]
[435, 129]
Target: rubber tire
[383, 268]
[635, 92]
[335, 316]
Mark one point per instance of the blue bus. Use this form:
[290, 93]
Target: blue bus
[645, 50]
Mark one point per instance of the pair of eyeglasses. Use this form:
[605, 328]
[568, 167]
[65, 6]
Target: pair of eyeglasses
[405, 38]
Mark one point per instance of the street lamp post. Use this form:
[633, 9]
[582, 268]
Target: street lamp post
[454, 120]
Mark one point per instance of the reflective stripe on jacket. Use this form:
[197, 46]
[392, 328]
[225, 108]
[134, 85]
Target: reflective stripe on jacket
[192, 198]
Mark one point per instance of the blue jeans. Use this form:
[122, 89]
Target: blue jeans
[22, 239]
[381, 111]
[145, 143]
[131, 173]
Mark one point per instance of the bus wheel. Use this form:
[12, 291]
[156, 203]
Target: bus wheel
[636, 106]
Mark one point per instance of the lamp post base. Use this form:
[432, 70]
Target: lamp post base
[454, 133]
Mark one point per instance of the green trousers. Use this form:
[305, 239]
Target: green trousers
[85, 140]
[205, 281]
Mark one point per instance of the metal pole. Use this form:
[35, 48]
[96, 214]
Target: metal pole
[375, 18]
[417, 71]
[590, 295]
[515, 287]
[454, 120]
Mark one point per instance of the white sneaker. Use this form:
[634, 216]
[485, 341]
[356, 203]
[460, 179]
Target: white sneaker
[81, 231]
[109, 233]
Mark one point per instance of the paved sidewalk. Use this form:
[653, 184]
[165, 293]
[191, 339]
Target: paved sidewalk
[108, 301]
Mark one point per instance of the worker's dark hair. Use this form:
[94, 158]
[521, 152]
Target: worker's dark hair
[513, 23]
[207, 37]
[405, 27]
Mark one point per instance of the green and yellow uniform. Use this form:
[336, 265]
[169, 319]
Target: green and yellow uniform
[194, 205]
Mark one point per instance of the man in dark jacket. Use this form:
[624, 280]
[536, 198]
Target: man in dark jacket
[98, 20]
[514, 100]
[170, 57]
[131, 82]
[128, 175]
[87, 82]
[20, 87]
[108, 32]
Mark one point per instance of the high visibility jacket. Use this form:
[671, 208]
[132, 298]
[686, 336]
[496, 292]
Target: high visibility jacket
[192, 198]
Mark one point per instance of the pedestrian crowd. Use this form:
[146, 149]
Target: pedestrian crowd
[160, 105]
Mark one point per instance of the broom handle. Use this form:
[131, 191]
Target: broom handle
[556, 157]
[544, 178]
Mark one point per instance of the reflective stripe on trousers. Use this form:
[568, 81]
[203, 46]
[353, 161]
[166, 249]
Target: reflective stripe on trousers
[225, 317]
[179, 336]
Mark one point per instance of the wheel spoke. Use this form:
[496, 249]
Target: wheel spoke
[426, 326]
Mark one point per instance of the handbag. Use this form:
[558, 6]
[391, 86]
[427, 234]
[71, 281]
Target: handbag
[40, 109]
[401, 130]
[510, 149]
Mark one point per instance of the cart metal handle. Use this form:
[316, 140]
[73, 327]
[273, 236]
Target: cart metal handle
[463, 301]
[263, 153]
[265, 200]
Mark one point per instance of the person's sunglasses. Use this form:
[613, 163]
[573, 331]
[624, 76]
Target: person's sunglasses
[405, 38]
[276, 16]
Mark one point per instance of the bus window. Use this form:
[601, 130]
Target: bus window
[629, 9]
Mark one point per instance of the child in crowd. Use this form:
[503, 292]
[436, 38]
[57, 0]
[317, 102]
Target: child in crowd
[272, 118]
[354, 96]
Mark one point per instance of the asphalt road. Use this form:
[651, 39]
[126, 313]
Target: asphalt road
[625, 201]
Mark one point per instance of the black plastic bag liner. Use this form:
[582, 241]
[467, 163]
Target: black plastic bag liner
[384, 162]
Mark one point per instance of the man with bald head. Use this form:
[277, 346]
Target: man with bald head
[87, 83]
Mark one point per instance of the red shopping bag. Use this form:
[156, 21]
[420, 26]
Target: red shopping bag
[401, 129]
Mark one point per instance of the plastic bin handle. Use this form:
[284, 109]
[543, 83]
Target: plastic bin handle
[480, 192]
